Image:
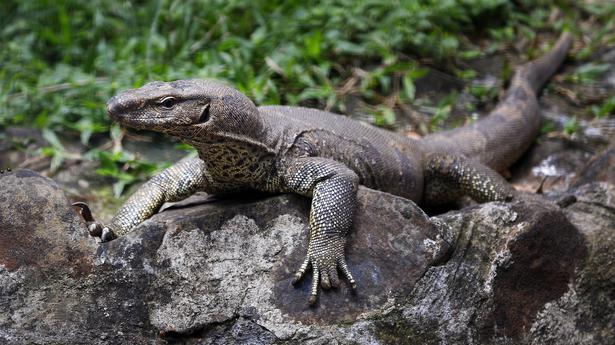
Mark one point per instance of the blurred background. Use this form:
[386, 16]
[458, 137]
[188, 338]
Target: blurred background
[413, 66]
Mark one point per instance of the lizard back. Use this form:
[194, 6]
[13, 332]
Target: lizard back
[383, 160]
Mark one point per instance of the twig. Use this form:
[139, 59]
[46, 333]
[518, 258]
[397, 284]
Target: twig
[59, 87]
[152, 29]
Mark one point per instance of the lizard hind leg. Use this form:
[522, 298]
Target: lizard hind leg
[449, 176]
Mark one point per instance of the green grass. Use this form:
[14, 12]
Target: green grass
[61, 60]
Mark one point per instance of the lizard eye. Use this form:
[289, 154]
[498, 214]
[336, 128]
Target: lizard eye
[168, 102]
[204, 114]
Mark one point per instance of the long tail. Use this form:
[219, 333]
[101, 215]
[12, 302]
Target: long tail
[500, 138]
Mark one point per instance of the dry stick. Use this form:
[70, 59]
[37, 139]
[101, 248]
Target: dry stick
[59, 87]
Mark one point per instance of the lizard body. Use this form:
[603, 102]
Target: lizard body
[322, 155]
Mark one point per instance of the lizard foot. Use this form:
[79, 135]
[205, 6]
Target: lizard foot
[96, 229]
[325, 255]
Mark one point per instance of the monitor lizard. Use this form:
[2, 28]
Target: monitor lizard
[323, 156]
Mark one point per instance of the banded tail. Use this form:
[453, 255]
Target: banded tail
[500, 138]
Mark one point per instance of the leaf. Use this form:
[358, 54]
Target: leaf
[349, 48]
[409, 88]
[118, 188]
[52, 139]
[466, 74]
[313, 44]
[417, 73]
[56, 162]
[384, 116]
[571, 126]
[228, 44]
[590, 72]
[85, 127]
[470, 54]
[388, 115]
[605, 109]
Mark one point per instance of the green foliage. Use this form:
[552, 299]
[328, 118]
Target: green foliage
[605, 109]
[467, 74]
[443, 111]
[125, 168]
[384, 116]
[588, 73]
[61, 60]
[547, 126]
[483, 93]
[55, 150]
[602, 35]
[571, 126]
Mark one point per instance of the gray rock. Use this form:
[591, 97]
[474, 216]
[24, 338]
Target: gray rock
[598, 169]
[209, 271]
[585, 313]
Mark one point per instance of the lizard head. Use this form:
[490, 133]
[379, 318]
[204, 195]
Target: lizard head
[185, 109]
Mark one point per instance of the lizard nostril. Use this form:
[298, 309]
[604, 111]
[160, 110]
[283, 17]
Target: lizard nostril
[113, 106]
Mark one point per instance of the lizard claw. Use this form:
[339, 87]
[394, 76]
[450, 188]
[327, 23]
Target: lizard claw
[107, 235]
[84, 211]
[314, 290]
[301, 272]
[325, 264]
[96, 229]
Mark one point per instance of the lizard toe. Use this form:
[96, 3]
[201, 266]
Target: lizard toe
[324, 279]
[314, 290]
[333, 277]
[301, 271]
[95, 229]
[107, 235]
[344, 267]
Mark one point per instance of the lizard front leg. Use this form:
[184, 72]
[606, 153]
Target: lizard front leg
[172, 184]
[333, 188]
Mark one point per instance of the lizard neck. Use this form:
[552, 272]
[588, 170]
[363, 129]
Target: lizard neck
[236, 162]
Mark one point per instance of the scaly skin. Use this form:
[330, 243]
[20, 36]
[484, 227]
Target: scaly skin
[322, 156]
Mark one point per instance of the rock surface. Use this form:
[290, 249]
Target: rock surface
[218, 272]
